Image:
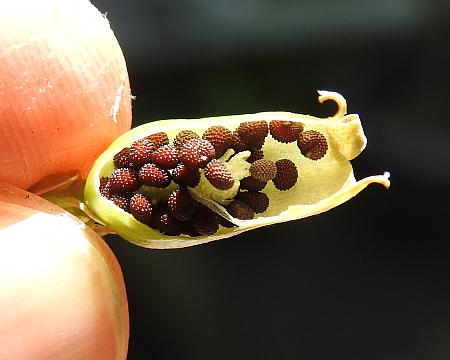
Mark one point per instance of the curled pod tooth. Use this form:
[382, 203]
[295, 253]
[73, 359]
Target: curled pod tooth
[319, 185]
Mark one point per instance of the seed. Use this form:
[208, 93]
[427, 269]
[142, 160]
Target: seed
[258, 201]
[287, 174]
[166, 157]
[312, 144]
[256, 154]
[263, 170]
[140, 152]
[252, 184]
[240, 210]
[186, 176]
[219, 175]
[159, 139]
[220, 137]
[205, 222]
[105, 187]
[196, 153]
[122, 158]
[238, 144]
[122, 201]
[181, 205]
[166, 223]
[183, 136]
[253, 131]
[285, 131]
[152, 175]
[141, 208]
[124, 180]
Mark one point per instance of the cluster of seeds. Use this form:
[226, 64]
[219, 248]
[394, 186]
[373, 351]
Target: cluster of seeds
[154, 162]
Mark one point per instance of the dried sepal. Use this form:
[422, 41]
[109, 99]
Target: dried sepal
[321, 184]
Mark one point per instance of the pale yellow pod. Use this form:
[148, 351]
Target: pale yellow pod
[322, 184]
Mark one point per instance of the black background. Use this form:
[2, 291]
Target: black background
[367, 280]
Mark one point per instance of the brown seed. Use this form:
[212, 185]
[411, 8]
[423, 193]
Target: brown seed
[122, 201]
[166, 223]
[196, 153]
[183, 136]
[285, 131]
[124, 180]
[205, 222]
[252, 184]
[186, 176]
[141, 208]
[219, 175]
[154, 176]
[166, 157]
[105, 187]
[258, 201]
[159, 139]
[240, 210]
[256, 154]
[287, 174]
[181, 205]
[253, 131]
[312, 144]
[122, 158]
[140, 152]
[263, 170]
[220, 137]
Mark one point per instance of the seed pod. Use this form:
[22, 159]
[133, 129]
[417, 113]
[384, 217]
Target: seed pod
[322, 185]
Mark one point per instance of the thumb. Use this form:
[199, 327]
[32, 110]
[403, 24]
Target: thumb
[64, 88]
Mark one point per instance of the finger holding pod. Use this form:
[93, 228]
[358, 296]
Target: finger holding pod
[308, 182]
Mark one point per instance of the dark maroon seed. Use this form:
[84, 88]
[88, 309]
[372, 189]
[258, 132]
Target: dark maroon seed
[140, 152]
[186, 176]
[122, 158]
[141, 208]
[124, 180]
[240, 210]
[181, 205]
[122, 201]
[152, 175]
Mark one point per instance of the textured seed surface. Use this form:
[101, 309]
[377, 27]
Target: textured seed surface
[181, 205]
[258, 201]
[312, 144]
[252, 184]
[124, 180]
[220, 137]
[122, 201]
[122, 158]
[285, 131]
[166, 223]
[205, 222]
[256, 154]
[183, 136]
[186, 176]
[141, 208]
[263, 170]
[240, 210]
[219, 175]
[140, 152]
[253, 131]
[287, 174]
[152, 175]
[197, 153]
[159, 139]
[166, 157]
[105, 187]
[238, 144]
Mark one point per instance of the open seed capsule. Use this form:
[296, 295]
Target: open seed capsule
[314, 184]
